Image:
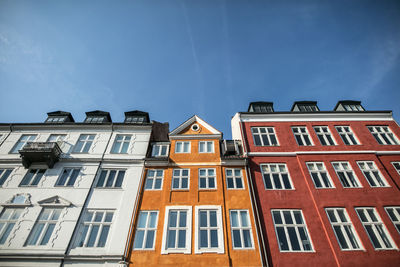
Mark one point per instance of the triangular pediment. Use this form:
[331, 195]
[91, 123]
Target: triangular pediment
[195, 126]
[55, 201]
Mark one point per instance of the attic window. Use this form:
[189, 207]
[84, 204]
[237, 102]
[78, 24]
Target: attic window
[195, 127]
[135, 119]
[54, 119]
[307, 108]
[353, 107]
[261, 107]
[95, 119]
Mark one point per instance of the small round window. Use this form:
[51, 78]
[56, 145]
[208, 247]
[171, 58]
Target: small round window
[195, 127]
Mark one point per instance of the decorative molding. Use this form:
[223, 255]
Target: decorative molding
[82, 173]
[295, 153]
[25, 197]
[191, 120]
[133, 139]
[13, 174]
[55, 201]
[58, 228]
[17, 226]
[95, 142]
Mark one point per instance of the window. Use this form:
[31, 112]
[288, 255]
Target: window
[206, 147]
[135, 119]
[111, 178]
[94, 229]
[396, 165]
[22, 142]
[207, 179]
[383, 135]
[68, 177]
[241, 229]
[56, 138]
[44, 227]
[346, 174]
[95, 119]
[8, 219]
[347, 135]
[262, 108]
[276, 176]
[324, 135]
[32, 177]
[371, 172]
[121, 144]
[182, 147]
[84, 143]
[291, 230]
[352, 107]
[319, 175]
[345, 233]
[56, 119]
[208, 234]
[177, 236]
[146, 230]
[301, 135]
[375, 228]
[264, 136]
[307, 108]
[180, 179]
[4, 173]
[234, 179]
[154, 179]
[394, 214]
[159, 150]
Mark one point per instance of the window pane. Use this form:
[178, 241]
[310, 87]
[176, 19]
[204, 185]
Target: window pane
[150, 239]
[182, 239]
[246, 238]
[214, 238]
[47, 234]
[93, 235]
[103, 236]
[138, 243]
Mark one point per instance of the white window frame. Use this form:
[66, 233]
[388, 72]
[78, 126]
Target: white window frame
[241, 228]
[58, 138]
[221, 247]
[107, 177]
[54, 119]
[343, 225]
[33, 178]
[188, 228]
[159, 150]
[205, 145]
[352, 107]
[374, 174]
[154, 177]
[207, 177]
[346, 173]
[346, 135]
[234, 178]
[123, 149]
[302, 135]
[4, 174]
[281, 179]
[90, 225]
[322, 133]
[296, 226]
[70, 171]
[314, 169]
[182, 146]
[374, 225]
[268, 135]
[395, 216]
[180, 179]
[42, 232]
[8, 223]
[95, 119]
[146, 229]
[85, 139]
[383, 135]
[396, 166]
[18, 146]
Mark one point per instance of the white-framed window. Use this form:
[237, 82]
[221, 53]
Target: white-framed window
[372, 174]
[135, 119]
[291, 231]
[234, 179]
[25, 138]
[319, 175]
[344, 230]
[396, 165]
[121, 144]
[208, 233]
[324, 135]
[346, 174]
[32, 177]
[94, 229]
[353, 107]
[276, 176]
[56, 119]
[110, 178]
[301, 135]
[177, 236]
[242, 237]
[159, 150]
[376, 230]
[180, 179]
[4, 174]
[207, 179]
[68, 177]
[146, 230]
[56, 138]
[154, 180]
[383, 135]
[206, 146]
[394, 215]
[347, 135]
[83, 144]
[264, 136]
[44, 227]
[8, 218]
[182, 147]
[95, 119]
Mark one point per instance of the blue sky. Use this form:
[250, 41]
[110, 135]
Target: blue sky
[177, 58]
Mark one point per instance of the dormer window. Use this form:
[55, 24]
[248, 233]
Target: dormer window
[95, 119]
[261, 107]
[305, 106]
[135, 119]
[56, 119]
[349, 105]
[159, 150]
[136, 116]
[97, 116]
[59, 117]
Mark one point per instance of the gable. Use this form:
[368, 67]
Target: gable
[195, 126]
[55, 201]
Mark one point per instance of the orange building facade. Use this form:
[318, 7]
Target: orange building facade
[195, 207]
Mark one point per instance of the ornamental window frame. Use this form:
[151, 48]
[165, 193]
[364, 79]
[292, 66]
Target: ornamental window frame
[259, 133]
[347, 135]
[346, 174]
[302, 136]
[146, 229]
[207, 177]
[372, 174]
[235, 178]
[325, 136]
[241, 228]
[313, 168]
[383, 135]
[218, 227]
[288, 185]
